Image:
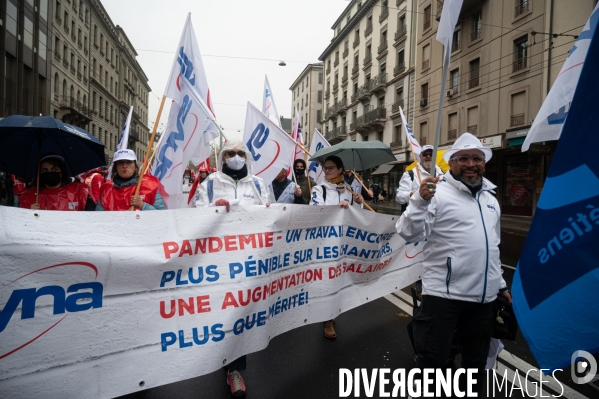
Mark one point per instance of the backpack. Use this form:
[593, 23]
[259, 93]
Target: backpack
[404, 206]
[210, 188]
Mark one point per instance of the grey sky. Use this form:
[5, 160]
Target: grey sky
[294, 31]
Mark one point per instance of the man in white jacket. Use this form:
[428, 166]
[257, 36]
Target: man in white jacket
[410, 181]
[457, 216]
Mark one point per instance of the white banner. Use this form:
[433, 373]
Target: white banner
[150, 298]
[270, 146]
[269, 108]
[314, 168]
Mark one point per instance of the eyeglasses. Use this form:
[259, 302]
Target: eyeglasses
[329, 168]
[232, 153]
[426, 154]
[464, 159]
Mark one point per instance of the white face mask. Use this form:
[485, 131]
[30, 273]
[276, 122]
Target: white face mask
[235, 163]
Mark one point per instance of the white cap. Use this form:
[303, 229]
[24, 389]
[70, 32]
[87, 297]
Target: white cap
[425, 148]
[125, 154]
[467, 141]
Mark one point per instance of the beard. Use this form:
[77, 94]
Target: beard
[472, 183]
[426, 165]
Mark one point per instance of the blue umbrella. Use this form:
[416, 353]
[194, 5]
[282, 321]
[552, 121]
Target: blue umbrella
[23, 139]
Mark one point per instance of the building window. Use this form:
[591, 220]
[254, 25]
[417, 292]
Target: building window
[522, 6]
[456, 40]
[472, 120]
[42, 45]
[426, 57]
[318, 115]
[474, 73]
[477, 25]
[518, 116]
[28, 32]
[11, 18]
[427, 18]
[454, 81]
[452, 122]
[520, 54]
[423, 133]
[424, 92]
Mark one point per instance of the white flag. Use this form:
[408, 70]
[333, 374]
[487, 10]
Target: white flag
[314, 168]
[269, 107]
[549, 121]
[297, 136]
[449, 19]
[124, 139]
[191, 125]
[269, 145]
[414, 144]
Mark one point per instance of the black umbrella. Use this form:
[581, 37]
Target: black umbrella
[23, 139]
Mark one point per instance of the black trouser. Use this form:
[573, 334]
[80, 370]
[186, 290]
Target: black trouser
[438, 320]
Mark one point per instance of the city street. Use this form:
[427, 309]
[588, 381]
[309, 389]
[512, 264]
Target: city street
[303, 364]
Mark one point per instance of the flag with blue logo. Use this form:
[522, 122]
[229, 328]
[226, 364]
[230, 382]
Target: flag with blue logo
[123, 140]
[414, 144]
[556, 284]
[314, 168]
[549, 122]
[191, 125]
[269, 108]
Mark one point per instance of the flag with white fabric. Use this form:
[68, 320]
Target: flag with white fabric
[447, 23]
[550, 120]
[298, 137]
[270, 146]
[314, 168]
[269, 107]
[414, 144]
[123, 140]
[191, 125]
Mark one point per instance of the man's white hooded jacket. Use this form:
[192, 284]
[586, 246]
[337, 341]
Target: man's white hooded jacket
[461, 235]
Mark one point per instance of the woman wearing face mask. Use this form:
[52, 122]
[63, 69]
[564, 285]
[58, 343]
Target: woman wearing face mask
[234, 184]
[334, 191]
[56, 192]
[118, 194]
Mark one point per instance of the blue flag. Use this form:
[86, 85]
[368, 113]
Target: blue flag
[556, 285]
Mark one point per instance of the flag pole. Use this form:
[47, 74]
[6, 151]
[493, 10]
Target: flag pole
[145, 163]
[439, 115]
[363, 202]
[307, 172]
[360, 181]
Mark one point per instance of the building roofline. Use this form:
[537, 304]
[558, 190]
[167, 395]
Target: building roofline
[366, 7]
[119, 29]
[309, 66]
[349, 6]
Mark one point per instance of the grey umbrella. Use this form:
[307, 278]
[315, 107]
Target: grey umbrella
[357, 155]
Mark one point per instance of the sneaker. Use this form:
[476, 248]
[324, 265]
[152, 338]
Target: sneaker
[235, 381]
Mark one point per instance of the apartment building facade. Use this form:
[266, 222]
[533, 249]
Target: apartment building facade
[26, 55]
[369, 75]
[307, 98]
[504, 60]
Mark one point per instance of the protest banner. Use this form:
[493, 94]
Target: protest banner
[144, 299]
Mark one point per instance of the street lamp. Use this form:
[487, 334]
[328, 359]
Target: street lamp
[282, 63]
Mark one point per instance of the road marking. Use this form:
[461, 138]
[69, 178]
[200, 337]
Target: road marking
[508, 266]
[404, 302]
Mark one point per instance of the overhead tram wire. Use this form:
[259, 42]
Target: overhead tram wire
[224, 56]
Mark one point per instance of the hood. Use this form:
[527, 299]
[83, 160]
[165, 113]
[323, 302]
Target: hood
[236, 145]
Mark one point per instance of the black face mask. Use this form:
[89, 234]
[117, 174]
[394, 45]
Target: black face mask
[299, 172]
[50, 179]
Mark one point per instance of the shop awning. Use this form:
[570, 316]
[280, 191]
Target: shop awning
[516, 141]
[381, 170]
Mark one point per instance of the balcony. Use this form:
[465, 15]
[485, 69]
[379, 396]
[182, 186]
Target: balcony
[80, 45]
[476, 34]
[79, 76]
[368, 30]
[367, 59]
[335, 87]
[57, 56]
[376, 117]
[134, 135]
[396, 144]
[401, 32]
[58, 19]
[427, 24]
[355, 69]
[472, 129]
[328, 70]
[78, 112]
[474, 81]
[345, 52]
[362, 93]
[439, 9]
[426, 64]
[337, 107]
[452, 134]
[379, 82]
[336, 62]
[84, 80]
[358, 125]
[74, 37]
[519, 64]
[384, 14]
[102, 52]
[517, 120]
[86, 51]
[356, 42]
[396, 105]
[66, 28]
[73, 71]
[65, 63]
[344, 77]
[383, 46]
[338, 134]
[327, 94]
[522, 7]
[399, 69]
[455, 45]
[329, 135]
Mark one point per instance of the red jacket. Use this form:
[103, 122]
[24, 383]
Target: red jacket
[94, 182]
[71, 197]
[119, 198]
